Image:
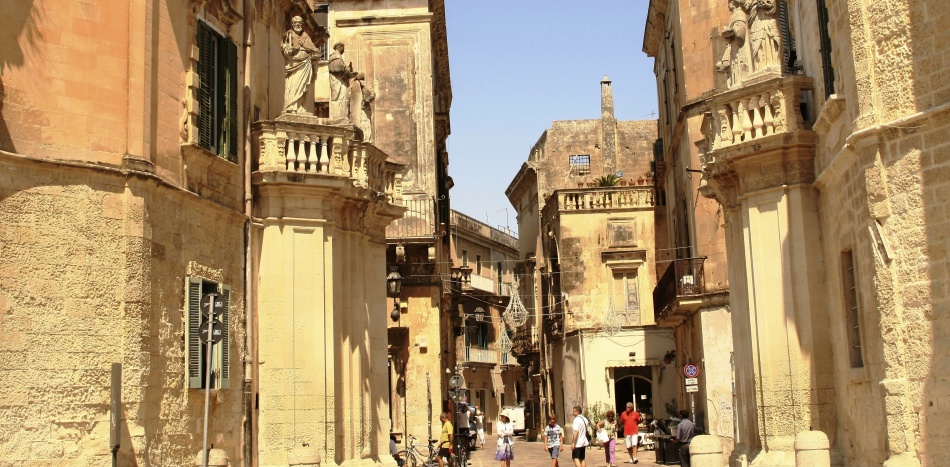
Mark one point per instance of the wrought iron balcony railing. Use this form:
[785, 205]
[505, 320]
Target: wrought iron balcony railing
[685, 277]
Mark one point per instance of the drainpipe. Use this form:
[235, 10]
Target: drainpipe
[249, 337]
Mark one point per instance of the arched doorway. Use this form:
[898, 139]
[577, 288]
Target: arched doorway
[633, 384]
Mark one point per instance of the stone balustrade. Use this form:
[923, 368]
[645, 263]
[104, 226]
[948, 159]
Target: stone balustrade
[755, 111]
[300, 144]
[593, 199]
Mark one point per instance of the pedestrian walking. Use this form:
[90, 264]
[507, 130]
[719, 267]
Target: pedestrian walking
[631, 431]
[609, 425]
[480, 426]
[579, 442]
[553, 439]
[506, 433]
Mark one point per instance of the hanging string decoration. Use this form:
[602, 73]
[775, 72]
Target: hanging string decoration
[515, 314]
[611, 324]
[504, 344]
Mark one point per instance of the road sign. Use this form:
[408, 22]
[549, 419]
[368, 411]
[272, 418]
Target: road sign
[456, 381]
[212, 302]
[217, 331]
[692, 381]
[691, 371]
[692, 388]
[455, 394]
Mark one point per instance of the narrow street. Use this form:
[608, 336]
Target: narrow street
[534, 454]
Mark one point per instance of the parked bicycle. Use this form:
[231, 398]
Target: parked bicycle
[418, 455]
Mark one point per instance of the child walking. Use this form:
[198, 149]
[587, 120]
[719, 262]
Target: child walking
[553, 439]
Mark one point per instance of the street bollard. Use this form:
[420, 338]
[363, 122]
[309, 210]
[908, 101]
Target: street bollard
[304, 456]
[216, 458]
[811, 449]
[705, 451]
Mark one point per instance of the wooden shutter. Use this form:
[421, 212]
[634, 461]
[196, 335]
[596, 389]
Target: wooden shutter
[231, 128]
[225, 345]
[826, 66]
[206, 39]
[788, 41]
[192, 336]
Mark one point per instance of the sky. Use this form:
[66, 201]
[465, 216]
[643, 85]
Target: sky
[518, 65]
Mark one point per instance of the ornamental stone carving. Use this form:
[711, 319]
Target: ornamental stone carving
[753, 41]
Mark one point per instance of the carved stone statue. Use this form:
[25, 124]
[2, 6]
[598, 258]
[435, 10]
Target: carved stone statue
[736, 59]
[298, 71]
[365, 121]
[340, 74]
[764, 35]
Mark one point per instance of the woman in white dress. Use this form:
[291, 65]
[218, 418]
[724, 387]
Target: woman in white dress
[506, 432]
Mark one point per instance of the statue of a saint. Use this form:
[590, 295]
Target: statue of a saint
[298, 71]
[736, 60]
[365, 121]
[340, 74]
[764, 35]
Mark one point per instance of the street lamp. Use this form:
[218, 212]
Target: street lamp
[393, 289]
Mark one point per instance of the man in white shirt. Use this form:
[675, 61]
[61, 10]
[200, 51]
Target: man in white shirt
[580, 442]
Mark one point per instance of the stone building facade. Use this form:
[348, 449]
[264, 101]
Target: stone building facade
[482, 283]
[586, 211]
[147, 158]
[692, 291]
[820, 131]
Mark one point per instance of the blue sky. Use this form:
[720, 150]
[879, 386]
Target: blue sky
[517, 65]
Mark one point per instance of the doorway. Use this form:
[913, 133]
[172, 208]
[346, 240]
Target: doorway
[633, 384]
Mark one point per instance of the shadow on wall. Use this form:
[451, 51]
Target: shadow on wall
[20, 21]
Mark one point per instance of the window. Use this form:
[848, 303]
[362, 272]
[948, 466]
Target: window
[852, 321]
[195, 349]
[580, 164]
[217, 93]
[626, 293]
[478, 264]
[464, 257]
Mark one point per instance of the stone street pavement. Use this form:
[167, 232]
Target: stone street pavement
[534, 455]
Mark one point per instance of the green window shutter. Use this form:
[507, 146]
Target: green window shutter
[224, 347]
[192, 336]
[206, 57]
[232, 101]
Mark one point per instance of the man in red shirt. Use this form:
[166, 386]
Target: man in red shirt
[631, 420]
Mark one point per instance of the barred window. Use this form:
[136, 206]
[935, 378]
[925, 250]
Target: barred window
[852, 312]
[579, 163]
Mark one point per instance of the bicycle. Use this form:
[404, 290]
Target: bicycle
[460, 453]
[416, 458]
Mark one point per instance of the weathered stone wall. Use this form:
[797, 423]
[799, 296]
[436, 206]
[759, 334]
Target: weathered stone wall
[95, 263]
[893, 172]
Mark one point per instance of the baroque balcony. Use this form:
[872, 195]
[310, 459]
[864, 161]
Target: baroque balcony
[605, 198]
[300, 149]
[525, 342]
[767, 118]
[678, 292]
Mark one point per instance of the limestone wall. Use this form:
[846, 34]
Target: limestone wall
[95, 263]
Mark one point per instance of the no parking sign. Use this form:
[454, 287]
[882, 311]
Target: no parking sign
[691, 371]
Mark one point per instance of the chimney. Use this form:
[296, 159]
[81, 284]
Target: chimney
[608, 125]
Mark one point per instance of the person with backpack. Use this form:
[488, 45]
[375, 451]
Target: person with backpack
[581, 437]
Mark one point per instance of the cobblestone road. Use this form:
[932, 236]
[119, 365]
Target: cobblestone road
[534, 455]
